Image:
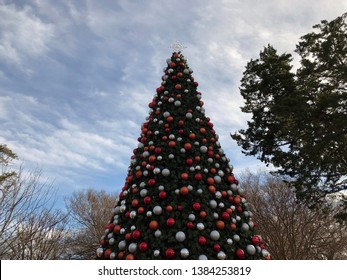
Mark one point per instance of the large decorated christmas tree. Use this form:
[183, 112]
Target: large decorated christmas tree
[180, 199]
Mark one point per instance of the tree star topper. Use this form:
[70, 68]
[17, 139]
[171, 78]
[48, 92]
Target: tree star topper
[178, 46]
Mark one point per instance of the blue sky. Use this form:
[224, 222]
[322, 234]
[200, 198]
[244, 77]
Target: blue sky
[76, 77]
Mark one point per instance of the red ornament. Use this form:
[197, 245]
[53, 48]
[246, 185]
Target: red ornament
[152, 159]
[135, 203]
[203, 214]
[162, 195]
[190, 225]
[196, 206]
[225, 216]
[187, 146]
[107, 253]
[216, 247]
[143, 246]
[198, 177]
[179, 208]
[240, 254]
[210, 180]
[151, 182]
[170, 222]
[158, 150]
[178, 86]
[202, 240]
[184, 176]
[184, 191]
[170, 253]
[172, 144]
[256, 240]
[136, 234]
[147, 200]
[189, 161]
[153, 225]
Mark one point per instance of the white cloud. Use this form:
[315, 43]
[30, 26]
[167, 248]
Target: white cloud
[22, 35]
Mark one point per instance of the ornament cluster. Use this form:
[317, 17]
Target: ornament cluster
[180, 199]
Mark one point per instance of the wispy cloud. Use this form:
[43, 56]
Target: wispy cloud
[76, 76]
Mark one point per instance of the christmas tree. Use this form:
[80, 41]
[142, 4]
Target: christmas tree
[180, 199]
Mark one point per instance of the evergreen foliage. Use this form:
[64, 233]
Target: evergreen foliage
[299, 120]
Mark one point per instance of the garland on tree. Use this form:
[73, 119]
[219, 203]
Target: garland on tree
[180, 199]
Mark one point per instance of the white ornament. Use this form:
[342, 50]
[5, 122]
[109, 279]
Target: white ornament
[157, 233]
[229, 241]
[122, 245]
[250, 249]
[143, 193]
[166, 114]
[132, 214]
[245, 227]
[200, 191]
[157, 210]
[189, 115]
[149, 213]
[132, 247]
[233, 187]
[156, 253]
[177, 103]
[218, 194]
[221, 255]
[236, 238]
[213, 204]
[180, 236]
[156, 170]
[203, 257]
[214, 235]
[122, 231]
[112, 256]
[99, 252]
[184, 253]
[165, 172]
[200, 226]
[203, 149]
[191, 217]
[171, 156]
[217, 179]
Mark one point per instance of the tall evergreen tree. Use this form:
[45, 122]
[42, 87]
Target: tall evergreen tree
[180, 199]
[299, 120]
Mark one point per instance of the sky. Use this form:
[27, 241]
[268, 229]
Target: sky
[76, 77]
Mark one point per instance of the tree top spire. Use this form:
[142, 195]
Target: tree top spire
[177, 46]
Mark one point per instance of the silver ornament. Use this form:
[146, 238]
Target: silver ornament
[157, 233]
[203, 257]
[214, 235]
[157, 210]
[203, 149]
[250, 249]
[229, 241]
[143, 193]
[132, 247]
[180, 236]
[213, 204]
[156, 253]
[200, 226]
[221, 255]
[189, 115]
[236, 238]
[122, 245]
[99, 252]
[112, 256]
[184, 253]
[191, 217]
[165, 172]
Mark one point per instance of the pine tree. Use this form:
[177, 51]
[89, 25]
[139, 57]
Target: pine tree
[180, 199]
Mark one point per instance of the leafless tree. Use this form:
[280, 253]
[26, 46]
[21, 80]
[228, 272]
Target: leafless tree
[30, 227]
[292, 230]
[91, 210]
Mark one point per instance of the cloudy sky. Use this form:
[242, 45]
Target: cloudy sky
[76, 77]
